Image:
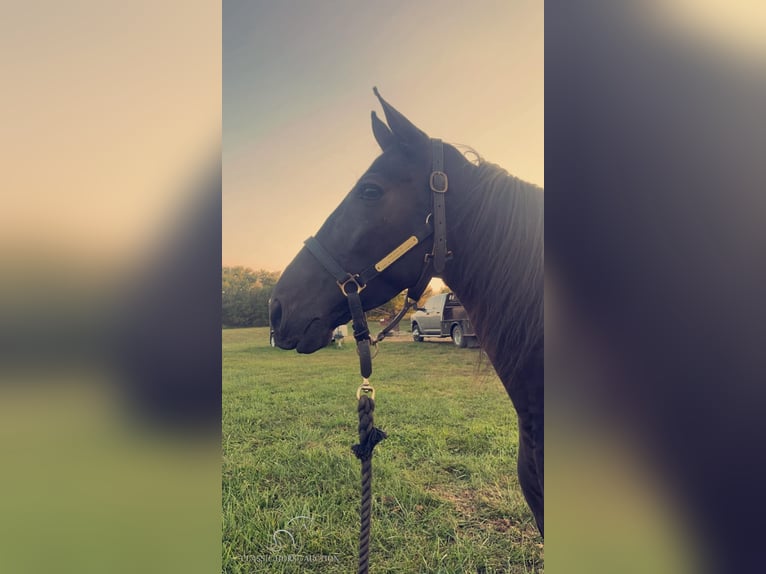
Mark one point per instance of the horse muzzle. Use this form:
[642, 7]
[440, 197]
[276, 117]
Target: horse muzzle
[303, 335]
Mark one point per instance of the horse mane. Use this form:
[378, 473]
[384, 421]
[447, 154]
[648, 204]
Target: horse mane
[499, 226]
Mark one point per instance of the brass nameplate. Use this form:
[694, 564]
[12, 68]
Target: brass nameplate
[408, 244]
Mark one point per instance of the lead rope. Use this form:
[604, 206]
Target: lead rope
[369, 435]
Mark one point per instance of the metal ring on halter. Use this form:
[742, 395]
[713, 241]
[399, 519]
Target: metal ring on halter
[351, 279]
[365, 387]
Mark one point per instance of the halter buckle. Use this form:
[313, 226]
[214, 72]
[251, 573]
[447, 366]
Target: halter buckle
[351, 279]
[439, 177]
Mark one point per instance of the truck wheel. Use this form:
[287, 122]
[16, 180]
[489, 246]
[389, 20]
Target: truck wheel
[457, 336]
[416, 336]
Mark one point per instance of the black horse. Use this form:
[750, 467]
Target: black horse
[488, 228]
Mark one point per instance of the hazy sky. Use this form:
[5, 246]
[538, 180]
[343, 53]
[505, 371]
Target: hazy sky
[297, 96]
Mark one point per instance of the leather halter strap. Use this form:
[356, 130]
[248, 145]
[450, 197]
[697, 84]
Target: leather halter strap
[439, 183]
[344, 279]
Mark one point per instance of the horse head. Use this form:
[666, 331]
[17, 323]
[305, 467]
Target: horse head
[369, 230]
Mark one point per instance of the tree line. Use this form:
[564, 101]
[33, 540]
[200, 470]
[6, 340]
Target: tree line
[245, 296]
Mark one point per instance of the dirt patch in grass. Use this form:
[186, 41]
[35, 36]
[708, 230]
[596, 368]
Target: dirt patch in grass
[463, 500]
[477, 510]
[483, 506]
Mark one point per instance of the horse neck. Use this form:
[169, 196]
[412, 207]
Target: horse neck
[495, 231]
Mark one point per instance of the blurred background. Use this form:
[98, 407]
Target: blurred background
[110, 291]
[654, 148]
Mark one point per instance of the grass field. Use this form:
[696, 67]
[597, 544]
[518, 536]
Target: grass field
[445, 493]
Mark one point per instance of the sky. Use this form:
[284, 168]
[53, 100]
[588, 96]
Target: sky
[297, 96]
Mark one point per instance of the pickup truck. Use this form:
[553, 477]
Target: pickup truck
[443, 316]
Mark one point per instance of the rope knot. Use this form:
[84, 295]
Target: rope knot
[363, 450]
[369, 435]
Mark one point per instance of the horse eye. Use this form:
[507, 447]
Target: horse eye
[370, 192]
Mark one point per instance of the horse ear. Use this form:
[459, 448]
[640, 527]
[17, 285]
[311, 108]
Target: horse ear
[382, 134]
[405, 131]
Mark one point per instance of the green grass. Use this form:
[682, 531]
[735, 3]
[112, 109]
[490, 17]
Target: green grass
[445, 493]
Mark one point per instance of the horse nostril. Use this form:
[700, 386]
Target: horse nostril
[275, 314]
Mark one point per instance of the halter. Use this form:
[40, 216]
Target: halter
[351, 284]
